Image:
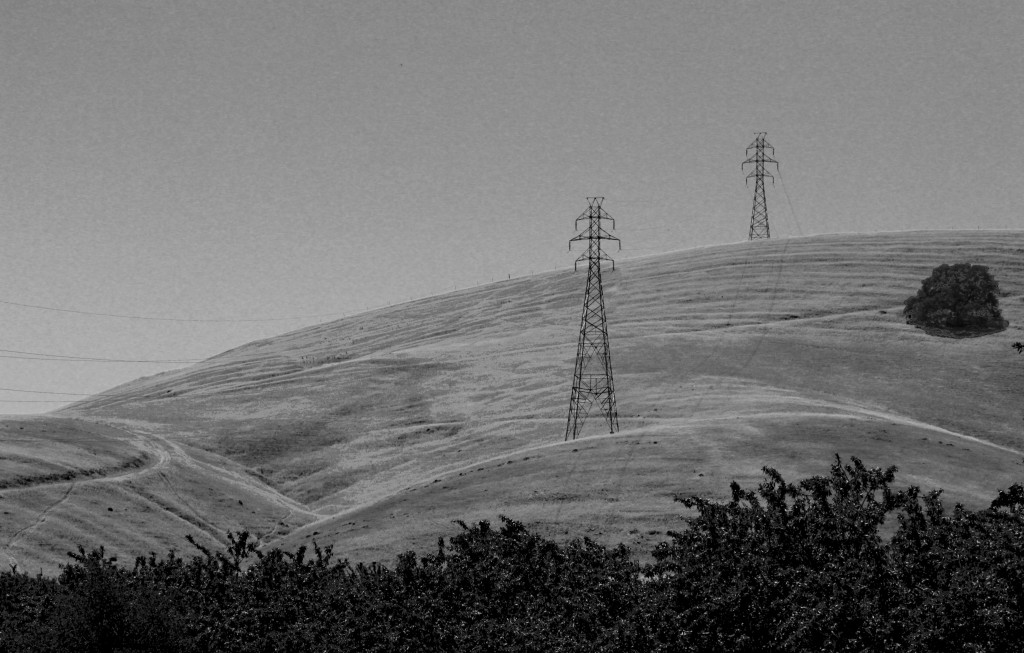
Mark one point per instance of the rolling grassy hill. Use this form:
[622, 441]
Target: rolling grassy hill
[374, 432]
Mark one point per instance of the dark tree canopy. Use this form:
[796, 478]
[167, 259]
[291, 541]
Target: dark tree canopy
[958, 297]
[786, 567]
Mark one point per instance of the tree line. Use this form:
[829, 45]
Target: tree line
[783, 567]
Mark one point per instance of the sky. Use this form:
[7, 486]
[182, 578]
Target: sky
[228, 170]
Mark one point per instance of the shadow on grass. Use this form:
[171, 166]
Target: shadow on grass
[963, 332]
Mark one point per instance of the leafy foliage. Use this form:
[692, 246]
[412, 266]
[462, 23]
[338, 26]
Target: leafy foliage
[789, 567]
[960, 296]
[785, 567]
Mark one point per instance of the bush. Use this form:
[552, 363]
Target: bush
[960, 297]
[783, 567]
[789, 567]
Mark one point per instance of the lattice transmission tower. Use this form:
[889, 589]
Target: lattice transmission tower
[592, 381]
[759, 214]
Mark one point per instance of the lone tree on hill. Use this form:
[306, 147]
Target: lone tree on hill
[962, 297]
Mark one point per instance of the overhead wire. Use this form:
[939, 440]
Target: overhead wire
[151, 318]
[68, 394]
[773, 295]
[785, 191]
[16, 354]
[777, 274]
[35, 401]
[44, 356]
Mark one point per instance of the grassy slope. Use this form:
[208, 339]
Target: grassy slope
[377, 430]
[66, 481]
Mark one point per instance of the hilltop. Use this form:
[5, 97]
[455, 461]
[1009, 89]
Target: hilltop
[373, 432]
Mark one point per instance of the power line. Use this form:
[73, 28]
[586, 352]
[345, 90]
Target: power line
[68, 394]
[791, 209]
[35, 401]
[43, 356]
[86, 360]
[167, 319]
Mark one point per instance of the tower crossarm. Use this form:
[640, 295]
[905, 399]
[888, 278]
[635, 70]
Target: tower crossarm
[754, 174]
[755, 160]
[599, 215]
[760, 142]
[591, 260]
[599, 234]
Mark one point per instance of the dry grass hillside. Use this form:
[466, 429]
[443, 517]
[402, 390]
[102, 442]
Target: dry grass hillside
[373, 432]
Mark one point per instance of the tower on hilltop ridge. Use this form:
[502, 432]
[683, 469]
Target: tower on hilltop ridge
[592, 381]
[759, 214]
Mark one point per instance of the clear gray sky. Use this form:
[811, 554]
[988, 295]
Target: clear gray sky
[245, 160]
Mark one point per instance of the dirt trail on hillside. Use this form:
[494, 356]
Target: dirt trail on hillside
[171, 488]
[156, 453]
[173, 452]
[804, 409]
[900, 419]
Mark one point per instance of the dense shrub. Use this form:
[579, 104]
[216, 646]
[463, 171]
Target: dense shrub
[959, 297]
[788, 567]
